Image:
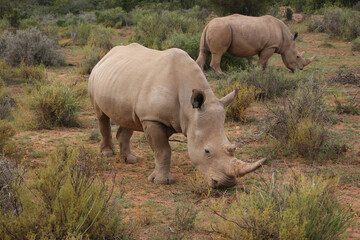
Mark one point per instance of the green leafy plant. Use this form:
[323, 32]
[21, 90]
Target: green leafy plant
[66, 200]
[296, 207]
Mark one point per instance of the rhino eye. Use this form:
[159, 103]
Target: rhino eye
[207, 151]
[298, 56]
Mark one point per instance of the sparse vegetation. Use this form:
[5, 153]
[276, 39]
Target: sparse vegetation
[51, 105]
[348, 107]
[66, 199]
[31, 46]
[299, 124]
[297, 207]
[6, 132]
[247, 95]
[356, 44]
[342, 23]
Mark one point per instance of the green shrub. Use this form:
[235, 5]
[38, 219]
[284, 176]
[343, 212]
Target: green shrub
[6, 73]
[289, 14]
[272, 83]
[115, 17]
[100, 37]
[29, 23]
[185, 41]
[153, 28]
[54, 105]
[14, 18]
[255, 8]
[298, 124]
[31, 74]
[246, 95]
[91, 58]
[31, 46]
[6, 132]
[80, 33]
[355, 46]
[316, 25]
[342, 23]
[297, 207]
[6, 104]
[348, 107]
[66, 200]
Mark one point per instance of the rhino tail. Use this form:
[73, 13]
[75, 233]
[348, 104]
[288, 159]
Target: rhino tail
[203, 44]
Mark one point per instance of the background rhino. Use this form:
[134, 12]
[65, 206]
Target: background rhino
[161, 93]
[245, 36]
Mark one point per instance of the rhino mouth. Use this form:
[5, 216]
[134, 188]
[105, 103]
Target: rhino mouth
[223, 182]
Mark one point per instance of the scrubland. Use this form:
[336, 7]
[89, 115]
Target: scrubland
[54, 184]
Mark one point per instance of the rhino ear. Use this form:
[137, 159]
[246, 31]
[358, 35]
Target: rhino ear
[230, 98]
[197, 98]
[302, 54]
[295, 36]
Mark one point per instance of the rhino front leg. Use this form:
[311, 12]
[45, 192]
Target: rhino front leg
[157, 137]
[123, 135]
[106, 144]
[264, 57]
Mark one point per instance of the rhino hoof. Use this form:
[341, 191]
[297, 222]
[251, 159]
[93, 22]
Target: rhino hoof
[107, 153]
[159, 179]
[130, 159]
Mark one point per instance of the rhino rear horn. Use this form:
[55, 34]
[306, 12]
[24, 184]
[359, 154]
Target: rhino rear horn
[230, 98]
[239, 168]
[309, 60]
[197, 98]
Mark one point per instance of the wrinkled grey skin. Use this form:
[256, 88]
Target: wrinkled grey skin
[245, 36]
[161, 93]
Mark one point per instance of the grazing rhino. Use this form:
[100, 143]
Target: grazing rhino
[161, 93]
[245, 36]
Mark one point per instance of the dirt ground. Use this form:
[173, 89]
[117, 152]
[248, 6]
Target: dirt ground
[148, 208]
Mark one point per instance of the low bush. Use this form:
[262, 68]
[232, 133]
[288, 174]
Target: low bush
[115, 17]
[80, 33]
[185, 41]
[6, 132]
[31, 46]
[355, 46]
[272, 83]
[6, 105]
[345, 76]
[298, 124]
[66, 200]
[31, 74]
[342, 23]
[246, 95]
[51, 105]
[153, 28]
[100, 37]
[348, 107]
[91, 58]
[295, 207]
[316, 25]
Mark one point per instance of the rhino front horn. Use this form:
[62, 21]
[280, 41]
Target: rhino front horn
[239, 168]
[309, 60]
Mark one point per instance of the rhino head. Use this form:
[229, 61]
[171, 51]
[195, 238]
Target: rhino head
[292, 58]
[208, 147]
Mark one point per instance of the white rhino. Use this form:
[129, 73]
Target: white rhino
[161, 93]
[245, 36]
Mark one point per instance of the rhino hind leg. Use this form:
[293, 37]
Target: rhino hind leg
[202, 58]
[123, 135]
[106, 144]
[215, 62]
[157, 136]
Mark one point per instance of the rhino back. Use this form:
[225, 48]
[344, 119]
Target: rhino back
[250, 35]
[134, 84]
